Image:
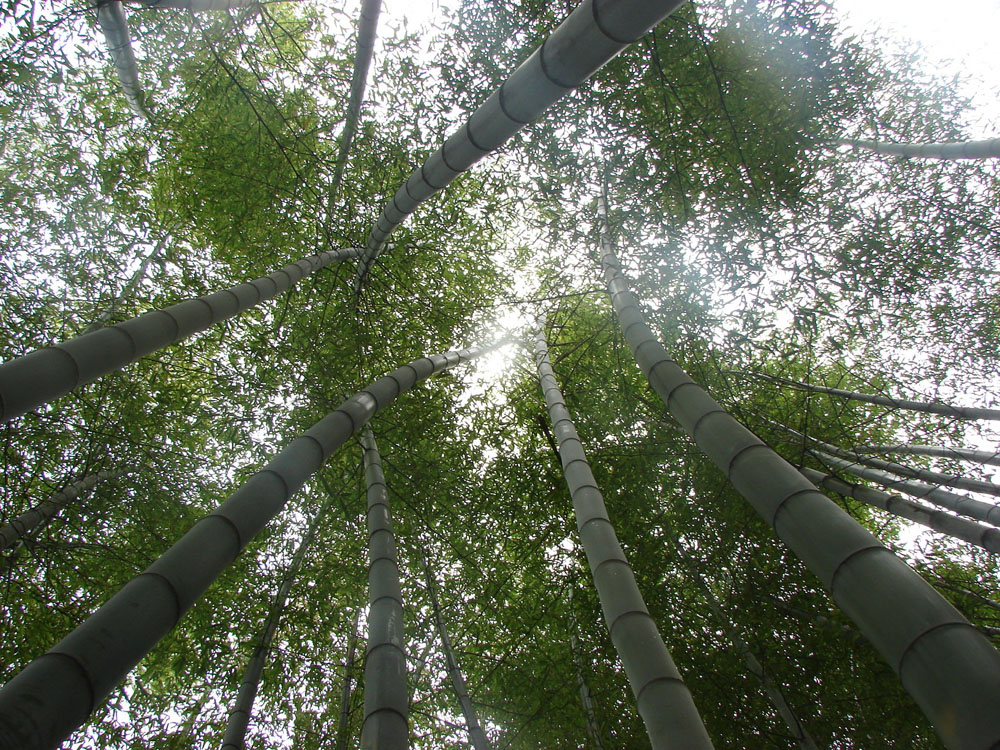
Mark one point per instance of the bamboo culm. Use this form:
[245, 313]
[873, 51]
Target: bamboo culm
[986, 149]
[968, 531]
[367, 26]
[593, 727]
[477, 737]
[31, 519]
[664, 701]
[239, 718]
[965, 506]
[771, 690]
[56, 692]
[926, 475]
[46, 374]
[948, 666]
[387, 701]
[105, 315]
[346, 689]
[592, 34]
[990, 458]
[958, 412]
[111, 19]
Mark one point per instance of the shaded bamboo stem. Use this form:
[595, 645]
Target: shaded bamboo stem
[991, 458]
[46, 374]
[986, 149]
[345, 693]
[477, 737]
[948, 666]
[239, 718]
[57, 691]
[593, 727]
[959, 412]
[938, 520]
[960, 504]
[111, 19]
[140, 273]
[387, 701]
[664, 701]
[771, 690]
[591, 35]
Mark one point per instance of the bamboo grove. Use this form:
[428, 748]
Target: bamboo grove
[717, 468]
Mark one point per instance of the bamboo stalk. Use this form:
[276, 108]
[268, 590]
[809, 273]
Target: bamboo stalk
[593, 727]
[986, 149]
[991, 458]
[56, 692]
[345, 692]
[111, 19]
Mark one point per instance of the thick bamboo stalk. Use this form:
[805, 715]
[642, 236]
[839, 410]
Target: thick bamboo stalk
[56, 692]
[926, 475]
[367, 26]
[968, 531]
[965, 506]
[387, 701]
[31, 519]
[111, 19]
[477, 737]
[771, 690]
[991, 458]
[664, 701]
[590, 715]
[346, 689]
[958, 412]
[947, 665]
[239, 718]
[987, 149]
[592, 34]
[46, 374]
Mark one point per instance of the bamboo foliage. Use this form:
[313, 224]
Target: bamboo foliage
[239, 718]
[987, 149]
[477, 736]
[592, 34]
[385, 724]
[947, 665]
[664, 701]
[56, 692]
[45, 374]
[960, 528]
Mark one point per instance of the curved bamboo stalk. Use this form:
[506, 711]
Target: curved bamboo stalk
[593, 727]
[477, 737]
[926, 475]
[959, 412]
[991, 458]
[46, 374]
[965, 506]
[111, 19]
[56, 692]
[592, 34]
[367, 26]
[771, 690]
[345, 692]
[31, 519]
[664, 701]
[239, 718]
[988, 149]
[968, 531]
[947, 665]
[387, 701]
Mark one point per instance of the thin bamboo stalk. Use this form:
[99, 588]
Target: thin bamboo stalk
[239, 718]
[477, 737]
[46, 374]
[590, 715]
[56, 692]
[948, 666]
[140, 273]
[111, 19]
[991, 458]
[986, 149]
[664, 701]
[965, 506]
[958, 412]
[345, 692]
[592, 34]
[968, 531]
[387, 701]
